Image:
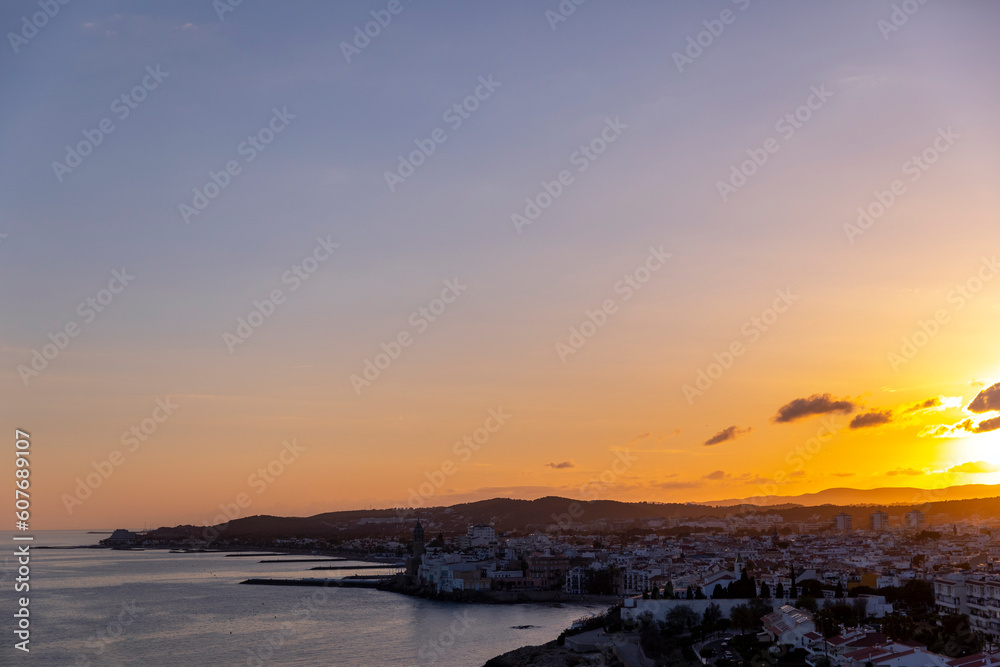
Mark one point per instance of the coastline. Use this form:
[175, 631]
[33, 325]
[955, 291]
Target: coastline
[397, 585]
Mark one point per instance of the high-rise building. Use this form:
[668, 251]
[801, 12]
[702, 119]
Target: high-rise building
[916, 519]
[844, 521]
[878, 521]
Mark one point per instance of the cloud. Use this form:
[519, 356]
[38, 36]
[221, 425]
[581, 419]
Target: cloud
[678, 485]
[562, 465]
[797, 473]
[814, 405]
[987, 425]
[725, 434]
[870, 419]
[987, 400]
[964, 428]
[842, 474]
[904, 471]
[975, 468]
[717, 475]
[929, 403]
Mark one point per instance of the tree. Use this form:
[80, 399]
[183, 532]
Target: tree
[668, 592]
[839, 593]
[743, 618]
[713, 614]
[860, 609]
[682, 617]
[807, 603]
[760, 608]
[765, 590]
[779, 592]
[828, 626]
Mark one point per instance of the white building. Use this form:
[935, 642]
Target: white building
[789, 626]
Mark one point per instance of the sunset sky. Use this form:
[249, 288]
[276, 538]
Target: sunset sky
[633, 145]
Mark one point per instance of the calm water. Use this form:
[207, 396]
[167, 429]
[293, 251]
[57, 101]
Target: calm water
[102, 607]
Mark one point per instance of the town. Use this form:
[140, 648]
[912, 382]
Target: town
[895, 586]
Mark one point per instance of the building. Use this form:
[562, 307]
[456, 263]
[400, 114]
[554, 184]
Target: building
[413, 562]
[549, 570]
[950, 594]
[915, 519]
[723, 578]
[844, 522]
[878, 521]
[576, 581]
[789, 625]
[480, 535]
[976, 596]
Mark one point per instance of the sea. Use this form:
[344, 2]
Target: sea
[153, 607]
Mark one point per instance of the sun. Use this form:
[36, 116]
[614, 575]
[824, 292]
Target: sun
[981, 447]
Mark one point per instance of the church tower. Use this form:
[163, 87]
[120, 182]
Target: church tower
[418, 540]
[739, 566]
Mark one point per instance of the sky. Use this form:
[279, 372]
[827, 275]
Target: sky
[641, 251]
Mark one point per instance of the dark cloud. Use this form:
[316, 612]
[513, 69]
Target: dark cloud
[987, 400]
[718, 474]
[934, 431]
[975, 468]
[725, 434]
[929, 403]
[816, 404]
[962, 428]
[678, 485]
[873, 418]
[987, 425]
[904, 471]
[561, 465]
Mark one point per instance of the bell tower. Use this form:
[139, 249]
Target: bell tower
[418, 540]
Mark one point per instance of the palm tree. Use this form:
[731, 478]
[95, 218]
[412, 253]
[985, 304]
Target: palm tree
[828, 627]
